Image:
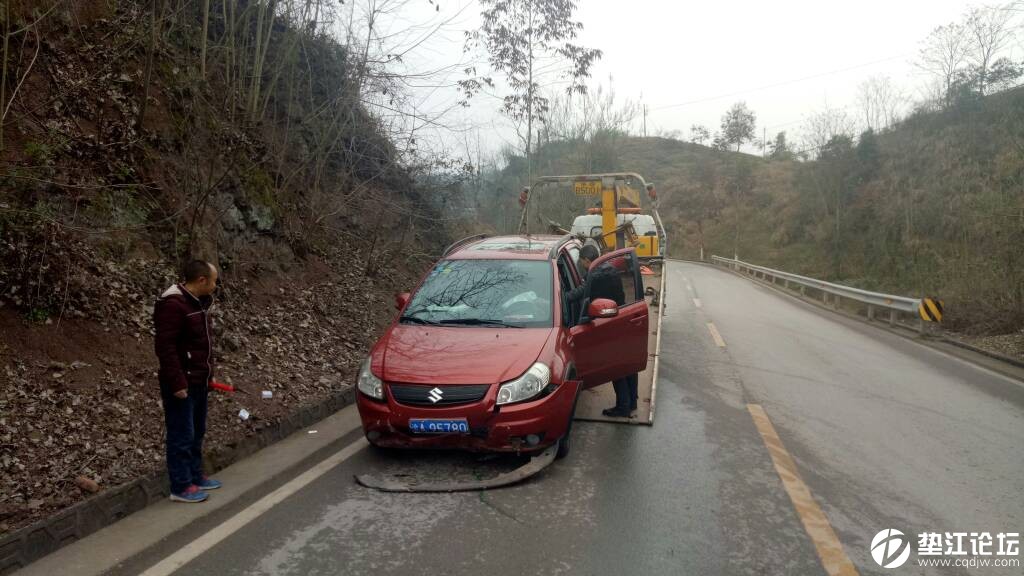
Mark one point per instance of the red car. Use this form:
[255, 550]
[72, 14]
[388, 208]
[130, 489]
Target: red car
[488, 354]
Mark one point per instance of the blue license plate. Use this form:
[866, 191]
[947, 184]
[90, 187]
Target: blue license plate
[438, 426]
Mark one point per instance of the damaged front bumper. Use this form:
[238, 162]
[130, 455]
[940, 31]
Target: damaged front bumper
[524, 427]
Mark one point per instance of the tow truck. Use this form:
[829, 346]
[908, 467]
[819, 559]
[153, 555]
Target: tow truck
[607, 209]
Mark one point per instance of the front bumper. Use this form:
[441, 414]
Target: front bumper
[492, 428]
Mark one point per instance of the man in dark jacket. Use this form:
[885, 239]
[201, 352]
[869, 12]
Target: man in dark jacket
[605, 282]
[185, 350]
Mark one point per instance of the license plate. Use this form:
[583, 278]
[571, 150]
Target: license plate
[438, 426]
[588, 188]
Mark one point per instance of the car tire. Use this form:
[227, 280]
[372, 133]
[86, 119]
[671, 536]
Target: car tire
[565, 442]
[382, 450]
[564, 445]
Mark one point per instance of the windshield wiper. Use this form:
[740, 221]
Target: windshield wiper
[416, 320]
[478, 322]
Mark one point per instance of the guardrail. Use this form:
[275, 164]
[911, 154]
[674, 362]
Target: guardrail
[874, 301]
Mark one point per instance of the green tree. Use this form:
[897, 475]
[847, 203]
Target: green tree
[738, 125]
[780, 149]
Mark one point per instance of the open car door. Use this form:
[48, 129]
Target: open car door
[607, 349]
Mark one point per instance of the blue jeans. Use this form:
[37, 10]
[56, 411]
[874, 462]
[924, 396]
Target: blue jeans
[186, 425]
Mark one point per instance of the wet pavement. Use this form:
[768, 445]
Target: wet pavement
[884, 432]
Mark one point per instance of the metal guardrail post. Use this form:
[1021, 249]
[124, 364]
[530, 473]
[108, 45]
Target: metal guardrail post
[892, 317]
[871, 313]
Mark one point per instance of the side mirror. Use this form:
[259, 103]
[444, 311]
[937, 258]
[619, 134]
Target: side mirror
[401, 299]
[602, 308]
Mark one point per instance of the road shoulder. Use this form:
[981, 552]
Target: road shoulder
[102, 551]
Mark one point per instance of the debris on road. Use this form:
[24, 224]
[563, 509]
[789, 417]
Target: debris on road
[404, 483]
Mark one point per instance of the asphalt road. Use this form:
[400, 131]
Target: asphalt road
[884, 433]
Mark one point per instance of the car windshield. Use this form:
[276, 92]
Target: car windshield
[514, 293]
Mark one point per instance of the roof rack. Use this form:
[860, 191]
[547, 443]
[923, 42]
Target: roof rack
[459, 243]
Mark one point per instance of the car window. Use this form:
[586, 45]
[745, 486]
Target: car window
[567, 273]
[475, 292]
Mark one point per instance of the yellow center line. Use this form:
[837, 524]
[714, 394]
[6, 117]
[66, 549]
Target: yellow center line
[716, 335]
[830, 550]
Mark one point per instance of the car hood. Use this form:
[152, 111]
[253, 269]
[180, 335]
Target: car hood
[462, 355]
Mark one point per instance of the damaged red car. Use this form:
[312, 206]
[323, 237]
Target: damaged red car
[489, 354]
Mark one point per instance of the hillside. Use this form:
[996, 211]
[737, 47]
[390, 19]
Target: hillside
[933, 206]
[124, 154]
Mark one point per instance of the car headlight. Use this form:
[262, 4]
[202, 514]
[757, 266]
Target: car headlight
[526, 386]
[368, 383]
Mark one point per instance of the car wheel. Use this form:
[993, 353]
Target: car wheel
[565, 442]
[564, 445]
[382, 450]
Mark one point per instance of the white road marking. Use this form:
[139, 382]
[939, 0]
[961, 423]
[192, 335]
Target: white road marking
[716, 335]
[696, 302]
[210, 539]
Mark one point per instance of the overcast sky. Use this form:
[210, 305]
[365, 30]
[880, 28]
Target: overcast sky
[689, 61]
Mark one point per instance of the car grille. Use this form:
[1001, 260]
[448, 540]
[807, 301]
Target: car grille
[424, 395]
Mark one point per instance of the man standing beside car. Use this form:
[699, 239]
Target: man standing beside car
[184, 348]
[605, 282]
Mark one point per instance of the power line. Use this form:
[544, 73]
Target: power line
[777, 84]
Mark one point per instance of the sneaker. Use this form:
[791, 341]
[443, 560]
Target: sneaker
[191, 494]
[208, 483]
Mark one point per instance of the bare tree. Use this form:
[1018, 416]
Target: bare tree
[699, 134]
[989, 31]
[880, 101]
[821, 127]
[943, 53]
[530, 41]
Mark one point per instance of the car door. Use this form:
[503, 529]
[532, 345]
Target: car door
[606, 349]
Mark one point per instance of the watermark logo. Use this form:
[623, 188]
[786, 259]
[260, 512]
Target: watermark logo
[890, 548]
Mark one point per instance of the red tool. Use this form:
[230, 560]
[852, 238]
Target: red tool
[226, 387]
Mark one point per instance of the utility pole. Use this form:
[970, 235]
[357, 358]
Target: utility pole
[645, 120]
[764, 141]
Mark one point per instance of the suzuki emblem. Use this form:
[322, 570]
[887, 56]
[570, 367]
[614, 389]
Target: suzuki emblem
[435, 395]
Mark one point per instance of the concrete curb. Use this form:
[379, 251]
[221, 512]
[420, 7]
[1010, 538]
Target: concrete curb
[983, 352]
[23, 546]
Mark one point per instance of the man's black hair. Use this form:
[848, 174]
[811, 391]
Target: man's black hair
[590, 252]
[196, 269]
